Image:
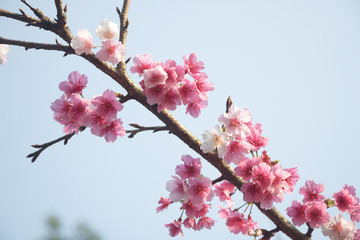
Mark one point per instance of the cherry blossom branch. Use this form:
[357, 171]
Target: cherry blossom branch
[44, 146]
[120, 75]
[142, 129]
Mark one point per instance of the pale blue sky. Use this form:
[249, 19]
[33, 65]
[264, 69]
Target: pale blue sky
[293, 64]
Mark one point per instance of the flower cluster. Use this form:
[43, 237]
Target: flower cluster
[111, 50]
[166, 84]
[266, 181]
[193, 191]
[237, 136]
[4, 49]
[100, 113]
[313, 211]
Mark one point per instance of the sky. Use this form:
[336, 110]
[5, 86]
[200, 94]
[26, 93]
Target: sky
[293, 64]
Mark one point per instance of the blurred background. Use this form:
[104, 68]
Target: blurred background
[293, 64]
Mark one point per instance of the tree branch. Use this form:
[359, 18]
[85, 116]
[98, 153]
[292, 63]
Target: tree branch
[44, 146]
[142, 129]
[37, 46]
[124, 23]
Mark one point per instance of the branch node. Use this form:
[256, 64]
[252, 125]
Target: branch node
[22, 12]
[127, 60]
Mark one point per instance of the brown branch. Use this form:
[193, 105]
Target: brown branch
[219, 179]
[124, 23]
[20, 17]
[142, 129]
[44, 22]
[37, 12]
[267, 235]
[309, 231]
[61, 16]
[44, 146]
[37, 46]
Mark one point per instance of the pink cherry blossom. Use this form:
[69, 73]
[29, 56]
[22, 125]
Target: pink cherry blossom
[177, 189]
[142, 63]
[236, 120]
[175, 228]
[79, 108]
[236, 150]
[188, 92]
[4, 49]
[190, 208]
[111, 51]
[200, 190]
[202, 85]
[107, 30]
[224, 212]
[344, 200]
[311, 191]
[355, 214]
[107, 105]
[262, 174]
[245, 168]
[75, 84]
[113, 130]
[95, 121]
[252, 192]
[279, 184]
[153, 94]
[297, 213]
[357, 234]
[194, 108]
[292, 179]
[236, 222]
[338, 228]
[204, 208]
[190, 223]
[192, 66]
[164, 203]
[61, 109]
[206, 222]
[190, 169]
[316, 214]
[214, 139]
[82, 43]
[255, 138]
[268, 199]
[224, 190]
[154, 76]
[169, 99]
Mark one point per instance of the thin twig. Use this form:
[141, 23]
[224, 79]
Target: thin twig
[219, 179]
[20, 17]
[124, 23]
[142, 129]
[44, 146]
[37, 46]
[267, 235]
[61, 16]
[37, 12]
[309, 231]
